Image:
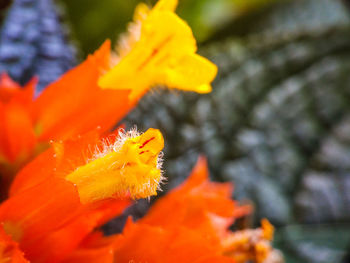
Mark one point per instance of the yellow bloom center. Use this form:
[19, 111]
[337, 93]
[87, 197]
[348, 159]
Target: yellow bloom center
[131, 166]
[160, 50]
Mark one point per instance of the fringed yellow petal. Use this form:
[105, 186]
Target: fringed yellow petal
[132, 166]
[164, 54]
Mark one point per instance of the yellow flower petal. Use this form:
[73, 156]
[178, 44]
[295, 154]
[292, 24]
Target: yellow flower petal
[162, 54]
[192, 73]
[166, 5]
[131, 166]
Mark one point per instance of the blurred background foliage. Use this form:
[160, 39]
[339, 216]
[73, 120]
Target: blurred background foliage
[34, 41]
[277, 123]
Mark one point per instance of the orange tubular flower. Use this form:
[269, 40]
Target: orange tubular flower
[60, 207]
[190, 224]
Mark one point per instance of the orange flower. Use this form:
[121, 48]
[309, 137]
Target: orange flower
[199, 204]
[84, 183]
[189, 224]
[71, 106]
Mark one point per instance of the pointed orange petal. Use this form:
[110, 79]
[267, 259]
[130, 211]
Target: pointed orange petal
[75, 104]
[8, 88]
[199, 174]
[12, 91]
[199, 204]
